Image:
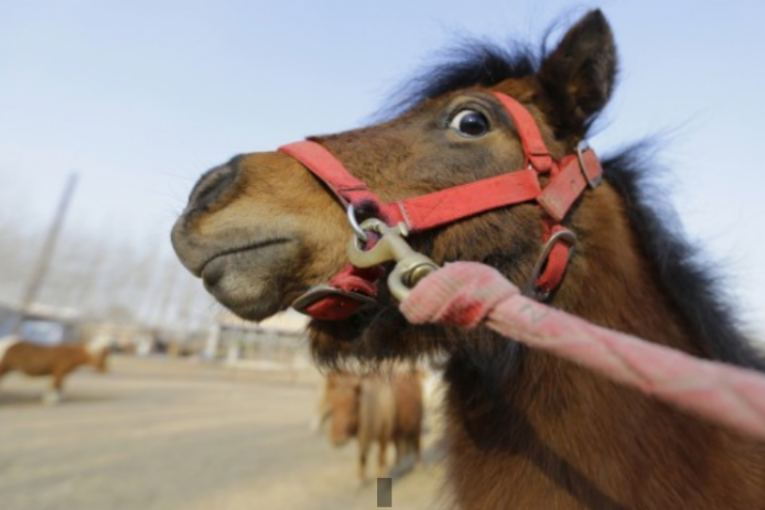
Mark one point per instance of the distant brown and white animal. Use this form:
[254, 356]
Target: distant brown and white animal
[375, 409]
[57, 361]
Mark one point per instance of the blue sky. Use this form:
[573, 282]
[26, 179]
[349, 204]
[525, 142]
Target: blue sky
[140, 97]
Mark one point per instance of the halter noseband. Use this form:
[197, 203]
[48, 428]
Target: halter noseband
[569, 177]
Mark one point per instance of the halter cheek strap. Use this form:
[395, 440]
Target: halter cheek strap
[569, 177]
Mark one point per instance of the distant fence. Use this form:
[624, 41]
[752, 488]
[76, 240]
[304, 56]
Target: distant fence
[259, 351]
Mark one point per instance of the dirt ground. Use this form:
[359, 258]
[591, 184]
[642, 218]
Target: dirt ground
[160, 434]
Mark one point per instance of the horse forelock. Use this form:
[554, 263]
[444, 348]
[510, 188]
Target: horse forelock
[468, 63]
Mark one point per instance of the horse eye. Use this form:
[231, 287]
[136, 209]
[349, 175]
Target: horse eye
[470, 123]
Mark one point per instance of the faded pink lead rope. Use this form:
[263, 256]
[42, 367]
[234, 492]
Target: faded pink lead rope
[468, 294]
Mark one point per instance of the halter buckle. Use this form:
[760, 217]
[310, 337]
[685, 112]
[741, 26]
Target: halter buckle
[312, 296]
[580, 148]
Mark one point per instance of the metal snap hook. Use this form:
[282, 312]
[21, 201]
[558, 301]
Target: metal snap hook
[361, 235]
[580, 148]
[411, 266]
[368, 225]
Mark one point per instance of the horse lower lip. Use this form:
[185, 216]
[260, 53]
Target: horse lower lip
[212, 271]
[204, 267]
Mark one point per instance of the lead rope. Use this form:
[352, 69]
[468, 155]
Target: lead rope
[469, 294]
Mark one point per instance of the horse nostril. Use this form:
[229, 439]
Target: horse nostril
[212, 185]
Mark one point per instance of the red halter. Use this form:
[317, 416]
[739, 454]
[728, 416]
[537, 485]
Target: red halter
[569, 177]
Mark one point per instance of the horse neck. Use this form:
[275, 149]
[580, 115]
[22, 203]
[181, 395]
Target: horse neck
[610, 283]
[614, 284]
[81, 356]
[542, 411]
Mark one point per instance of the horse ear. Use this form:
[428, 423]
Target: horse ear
[578, 76]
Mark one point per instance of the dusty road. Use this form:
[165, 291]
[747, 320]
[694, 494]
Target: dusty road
[166, 434]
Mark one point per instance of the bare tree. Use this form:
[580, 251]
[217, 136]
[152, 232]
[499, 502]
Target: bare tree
[104, 276]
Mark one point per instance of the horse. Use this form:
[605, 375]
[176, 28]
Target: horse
[375, 408]
[523, 429]
[57, 361]
[408, 396]
[362, 407]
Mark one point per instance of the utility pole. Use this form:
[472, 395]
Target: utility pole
[43, 263]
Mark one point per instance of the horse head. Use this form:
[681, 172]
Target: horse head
[98, 350]
[261, 230]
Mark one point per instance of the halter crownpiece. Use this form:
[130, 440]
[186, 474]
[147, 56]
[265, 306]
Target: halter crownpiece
[352, 289]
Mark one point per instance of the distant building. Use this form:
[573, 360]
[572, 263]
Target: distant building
[41, 323]
[279, 340]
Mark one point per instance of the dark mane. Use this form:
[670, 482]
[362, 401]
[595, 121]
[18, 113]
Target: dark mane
[473, 62]
[690, 285]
